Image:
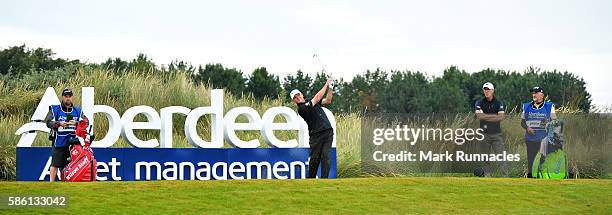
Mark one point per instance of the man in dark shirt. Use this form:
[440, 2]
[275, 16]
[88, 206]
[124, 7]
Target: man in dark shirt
[319, 128]
[490, 112]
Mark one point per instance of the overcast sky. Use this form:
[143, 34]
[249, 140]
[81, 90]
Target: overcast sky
[349, 36]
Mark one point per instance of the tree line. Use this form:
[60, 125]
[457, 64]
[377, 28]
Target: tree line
[372, 91]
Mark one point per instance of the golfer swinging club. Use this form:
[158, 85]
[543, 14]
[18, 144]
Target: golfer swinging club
[319, 128]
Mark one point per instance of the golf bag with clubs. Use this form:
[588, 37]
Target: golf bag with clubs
[551, 161]
[83, 164]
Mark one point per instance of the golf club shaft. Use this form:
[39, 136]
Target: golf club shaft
[316, 57]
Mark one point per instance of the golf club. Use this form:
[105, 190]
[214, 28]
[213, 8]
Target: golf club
[315, 56]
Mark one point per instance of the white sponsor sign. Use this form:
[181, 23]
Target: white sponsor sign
[222, 127]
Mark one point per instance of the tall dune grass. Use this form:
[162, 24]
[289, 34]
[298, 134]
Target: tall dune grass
[121, 92]
[590, 138]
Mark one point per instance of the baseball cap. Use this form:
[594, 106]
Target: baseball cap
[293, 93]
[536, 89]
[488, 85]
[66, 91]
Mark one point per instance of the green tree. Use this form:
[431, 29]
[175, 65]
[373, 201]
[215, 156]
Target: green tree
[344, 101]
[300, 81]
[215, 76]
[405, 93]
[115, 65]
[262, 84]
[446, 97]
[317, 84]
[17, 60]
[182, 66]
[375, 91]
[142, 63]
[368, 88]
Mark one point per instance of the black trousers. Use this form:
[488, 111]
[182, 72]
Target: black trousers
[320, 149]
[533, 148]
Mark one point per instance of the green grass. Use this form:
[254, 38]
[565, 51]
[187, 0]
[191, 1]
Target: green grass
[373, 195]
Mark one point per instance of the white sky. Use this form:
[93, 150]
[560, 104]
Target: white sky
[349, 36]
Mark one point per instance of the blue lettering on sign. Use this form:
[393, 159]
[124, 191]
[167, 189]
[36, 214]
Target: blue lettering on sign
[134, 164]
